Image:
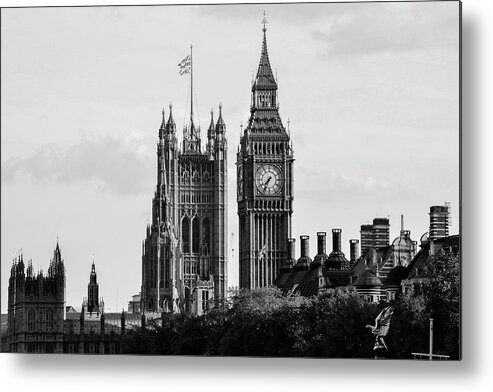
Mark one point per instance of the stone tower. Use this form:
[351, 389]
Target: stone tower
[184, 255]
[93, 291]
[265, 182]
[36, 307]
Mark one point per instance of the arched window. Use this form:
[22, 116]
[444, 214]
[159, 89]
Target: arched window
[206, 233]
[31, 320]
[185, 234]
[196, 235]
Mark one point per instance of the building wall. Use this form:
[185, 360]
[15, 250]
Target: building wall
[185, 250]
[36, 306]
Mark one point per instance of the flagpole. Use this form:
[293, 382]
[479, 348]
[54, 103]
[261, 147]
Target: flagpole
[191, 86]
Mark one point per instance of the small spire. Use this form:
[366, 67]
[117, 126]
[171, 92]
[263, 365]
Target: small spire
[163, 121]
[220, 120]
[264, 22]
[211, 126]
[171, 121]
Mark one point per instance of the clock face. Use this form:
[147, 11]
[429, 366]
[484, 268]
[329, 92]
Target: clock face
[269, 179]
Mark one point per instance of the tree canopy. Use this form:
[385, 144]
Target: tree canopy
[264, 322]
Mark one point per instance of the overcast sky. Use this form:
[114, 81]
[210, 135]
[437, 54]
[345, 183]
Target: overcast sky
[371, 92]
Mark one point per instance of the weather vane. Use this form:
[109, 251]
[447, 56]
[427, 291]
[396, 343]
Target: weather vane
[264, 22]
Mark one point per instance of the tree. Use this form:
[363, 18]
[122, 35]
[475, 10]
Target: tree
[435, 296]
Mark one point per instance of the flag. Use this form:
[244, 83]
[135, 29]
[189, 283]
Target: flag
[185, 65]
[262, 252]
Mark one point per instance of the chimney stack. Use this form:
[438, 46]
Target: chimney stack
[353, 251]
[321, 242]
[336, 240]
[291, 249]
[305, 246]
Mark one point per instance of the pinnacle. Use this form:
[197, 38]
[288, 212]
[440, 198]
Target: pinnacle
[265, 77]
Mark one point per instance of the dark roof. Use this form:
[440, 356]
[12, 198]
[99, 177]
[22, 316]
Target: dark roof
[303, 263]
[337, 260]
[367, 278]
[319, 259]
[397, 274]
[418, 266]
[306, 282]
[365, 261]
[452, 241]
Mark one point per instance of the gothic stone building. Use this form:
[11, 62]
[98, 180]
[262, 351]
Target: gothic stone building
[265, 183]
[184, 254]
[36, 305]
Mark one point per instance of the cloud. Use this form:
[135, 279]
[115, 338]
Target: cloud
[298, 13]
[119, 164]
[330, 186]
[389, 27]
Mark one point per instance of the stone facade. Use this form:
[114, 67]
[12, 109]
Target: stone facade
[184, 254]
[36, 306]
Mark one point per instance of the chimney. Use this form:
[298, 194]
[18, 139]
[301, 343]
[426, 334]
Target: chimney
[304, 245]
[353, 251]
[291, 249]
[321, 242]
[288, 264]
[336, 240]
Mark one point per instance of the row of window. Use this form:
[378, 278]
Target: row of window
[271, 148]
[192, 234]
[196, 176]
[44, 322]
[196, 198]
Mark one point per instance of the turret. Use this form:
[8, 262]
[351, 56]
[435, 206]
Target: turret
[162, 128]
[122, 323]
[93, 291]
[220, 136]
[210, 136]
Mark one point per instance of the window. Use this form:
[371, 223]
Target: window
[31, 320]
[49, 320]
[185, 234]
[206, 233]
[205, 300]
[196, 235]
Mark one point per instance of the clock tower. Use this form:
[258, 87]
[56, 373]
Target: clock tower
[265, 182]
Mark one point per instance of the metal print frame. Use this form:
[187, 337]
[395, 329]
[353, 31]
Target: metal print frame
[132, 225]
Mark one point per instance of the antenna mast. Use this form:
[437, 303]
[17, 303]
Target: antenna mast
[191, 85]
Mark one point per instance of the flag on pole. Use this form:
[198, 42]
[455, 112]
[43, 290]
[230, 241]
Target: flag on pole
[262, 252]
[185, 65]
